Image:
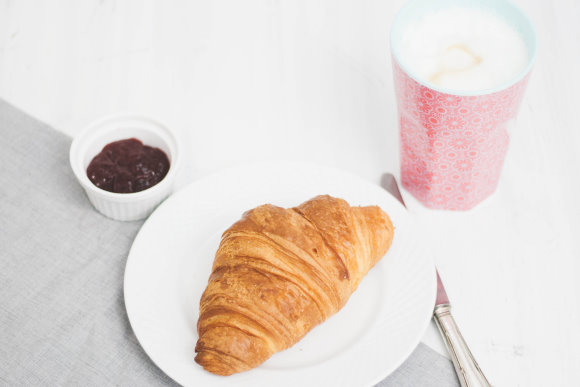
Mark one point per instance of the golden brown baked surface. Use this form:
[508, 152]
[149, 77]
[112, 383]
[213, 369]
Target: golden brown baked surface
[280, 272]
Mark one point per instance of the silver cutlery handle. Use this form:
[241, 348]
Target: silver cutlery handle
[468, 371]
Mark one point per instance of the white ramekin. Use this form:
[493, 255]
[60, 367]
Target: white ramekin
[91, 140]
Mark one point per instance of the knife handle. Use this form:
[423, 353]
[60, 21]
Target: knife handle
[468, 371]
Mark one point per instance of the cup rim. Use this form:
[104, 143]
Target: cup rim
[92, 130]
[450, 91]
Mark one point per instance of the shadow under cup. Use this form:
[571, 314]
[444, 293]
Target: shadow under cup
[453, 143]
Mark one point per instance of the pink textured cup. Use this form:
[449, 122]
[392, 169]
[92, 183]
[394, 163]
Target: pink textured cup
[453, 144]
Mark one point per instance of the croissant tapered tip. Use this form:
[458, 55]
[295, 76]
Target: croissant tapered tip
[382, 229]
[214, 364]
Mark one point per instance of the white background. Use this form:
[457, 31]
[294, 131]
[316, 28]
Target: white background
[312, 80]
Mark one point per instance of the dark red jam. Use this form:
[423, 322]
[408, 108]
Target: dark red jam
[127, 166]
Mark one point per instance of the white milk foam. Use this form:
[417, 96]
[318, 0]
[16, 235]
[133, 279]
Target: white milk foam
[463, 49]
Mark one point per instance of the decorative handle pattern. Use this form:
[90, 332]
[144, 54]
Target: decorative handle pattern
[468, 371]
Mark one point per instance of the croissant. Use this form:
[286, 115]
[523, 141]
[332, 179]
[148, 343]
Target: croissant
[280, 272]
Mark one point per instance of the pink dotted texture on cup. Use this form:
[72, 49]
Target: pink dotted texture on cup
[452, 146]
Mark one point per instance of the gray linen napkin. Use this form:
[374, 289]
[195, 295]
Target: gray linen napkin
[62, 315]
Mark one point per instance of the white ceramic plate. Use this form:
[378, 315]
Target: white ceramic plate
[170, 261]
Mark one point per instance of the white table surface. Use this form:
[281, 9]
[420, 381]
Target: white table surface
[312, 80]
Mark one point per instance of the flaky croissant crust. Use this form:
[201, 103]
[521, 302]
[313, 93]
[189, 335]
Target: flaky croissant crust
[280, 272]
